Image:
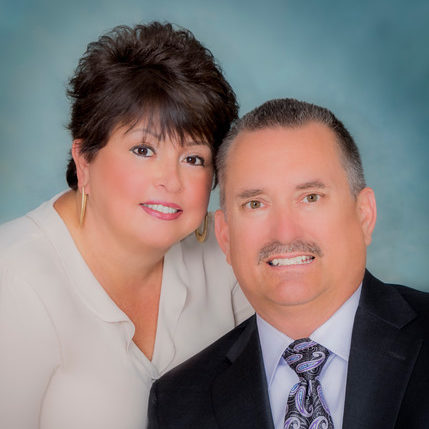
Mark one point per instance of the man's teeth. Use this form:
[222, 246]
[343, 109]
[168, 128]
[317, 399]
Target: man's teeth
[291, 261]
[161, 208]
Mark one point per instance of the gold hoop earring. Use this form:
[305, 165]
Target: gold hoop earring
[201, 236]
[82, 206]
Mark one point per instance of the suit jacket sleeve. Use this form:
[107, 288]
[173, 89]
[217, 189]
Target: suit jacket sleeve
[153, 410]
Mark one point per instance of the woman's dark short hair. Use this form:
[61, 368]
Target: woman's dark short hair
[155, 72]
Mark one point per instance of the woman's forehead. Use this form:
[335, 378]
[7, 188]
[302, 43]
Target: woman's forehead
[154, 130]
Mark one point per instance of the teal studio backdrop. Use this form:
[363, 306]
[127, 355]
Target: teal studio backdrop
[366, 60]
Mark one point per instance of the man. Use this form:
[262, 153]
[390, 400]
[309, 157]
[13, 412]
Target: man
[331, 346]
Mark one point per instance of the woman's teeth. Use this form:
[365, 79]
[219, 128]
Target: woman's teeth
[291, 261]
[160, 208]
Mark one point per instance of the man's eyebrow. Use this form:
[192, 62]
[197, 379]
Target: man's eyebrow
[313, 184]
[249, 193]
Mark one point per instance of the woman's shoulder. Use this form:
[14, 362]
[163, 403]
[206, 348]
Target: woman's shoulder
[207, 271]
[26, 250]
[33, 270]
[18, 235]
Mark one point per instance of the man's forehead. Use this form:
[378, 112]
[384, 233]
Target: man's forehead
[304, 149]
[268, 141]
[248, 192]
[309, 131]
[300, 158]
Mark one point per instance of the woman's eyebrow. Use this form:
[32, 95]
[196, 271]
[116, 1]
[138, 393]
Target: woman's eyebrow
[143, 131]
[195, 143]
[158, 136]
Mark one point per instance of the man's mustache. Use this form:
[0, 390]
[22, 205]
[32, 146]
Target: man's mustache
[276, 247]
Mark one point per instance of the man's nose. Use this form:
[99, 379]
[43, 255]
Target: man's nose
[285, 225]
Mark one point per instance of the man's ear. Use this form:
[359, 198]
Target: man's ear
[367, 212]
[222, 233]
[82, 170]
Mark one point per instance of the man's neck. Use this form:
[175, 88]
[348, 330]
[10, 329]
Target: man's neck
[300, 321]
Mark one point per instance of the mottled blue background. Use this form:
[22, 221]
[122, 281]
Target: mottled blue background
[366, 60]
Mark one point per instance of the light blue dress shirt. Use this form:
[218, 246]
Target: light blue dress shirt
[335, 334]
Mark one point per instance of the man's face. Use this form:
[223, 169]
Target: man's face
[292, 231]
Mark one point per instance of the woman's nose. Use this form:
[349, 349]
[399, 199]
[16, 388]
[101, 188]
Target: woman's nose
[169, 176]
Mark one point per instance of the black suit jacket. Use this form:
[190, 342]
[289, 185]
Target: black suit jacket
[224, 386]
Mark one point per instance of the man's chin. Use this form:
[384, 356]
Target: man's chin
[296, 293]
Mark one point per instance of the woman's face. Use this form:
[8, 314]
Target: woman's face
[147, 191]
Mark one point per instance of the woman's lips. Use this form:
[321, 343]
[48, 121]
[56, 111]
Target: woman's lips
[161, 210]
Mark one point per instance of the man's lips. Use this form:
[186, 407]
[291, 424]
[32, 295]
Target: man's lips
[296, 252]
[162, 210]
[286, 261]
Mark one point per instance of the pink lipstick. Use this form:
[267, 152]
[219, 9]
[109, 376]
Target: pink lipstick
[162, 210]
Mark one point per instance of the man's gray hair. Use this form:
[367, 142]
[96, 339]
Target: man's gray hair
[291, 113]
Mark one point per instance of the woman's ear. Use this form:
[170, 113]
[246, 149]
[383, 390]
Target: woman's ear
[222, 233]
[367, 212]
[82, 165]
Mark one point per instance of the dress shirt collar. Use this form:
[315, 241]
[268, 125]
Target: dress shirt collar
[76, 269]
[173, 292]
[335, 334]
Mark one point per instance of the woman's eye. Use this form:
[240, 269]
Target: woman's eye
[194, 160]
[144, 151]
[253, 204]
[312, 198]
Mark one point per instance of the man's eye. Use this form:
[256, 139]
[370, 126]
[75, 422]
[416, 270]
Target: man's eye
[194, 160]
[253, 204]
[312, 198]
[144, 151]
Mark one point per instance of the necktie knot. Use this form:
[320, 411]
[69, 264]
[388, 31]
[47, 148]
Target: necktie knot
[306, 358]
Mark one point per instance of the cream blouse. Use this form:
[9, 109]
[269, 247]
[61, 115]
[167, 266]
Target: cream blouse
[67, 359]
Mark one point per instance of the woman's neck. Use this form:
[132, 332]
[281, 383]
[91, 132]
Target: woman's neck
[132, 277]
[115, 263]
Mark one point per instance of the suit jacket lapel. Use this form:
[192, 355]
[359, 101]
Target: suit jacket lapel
[239, 394]
[381, 357]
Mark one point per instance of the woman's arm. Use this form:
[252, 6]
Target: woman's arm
[29, 353]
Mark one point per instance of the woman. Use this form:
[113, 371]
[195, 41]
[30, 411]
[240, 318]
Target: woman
[102, 288]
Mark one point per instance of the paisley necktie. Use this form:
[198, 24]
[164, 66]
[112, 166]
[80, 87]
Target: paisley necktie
[306, 407]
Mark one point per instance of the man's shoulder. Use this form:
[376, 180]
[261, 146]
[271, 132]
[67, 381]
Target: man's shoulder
[418, 300]
[190, 385]
[210, 361]
[400, 305]
[419, 297]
